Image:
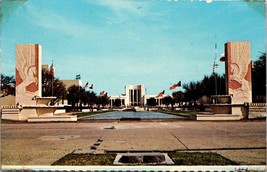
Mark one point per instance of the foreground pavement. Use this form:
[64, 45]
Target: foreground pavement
[44, 143]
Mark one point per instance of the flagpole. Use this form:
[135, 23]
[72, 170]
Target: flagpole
[52, 79]
[215, 66]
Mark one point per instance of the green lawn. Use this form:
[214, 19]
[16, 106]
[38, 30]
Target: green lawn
[200, 158]
[188, 114]
[86, 159]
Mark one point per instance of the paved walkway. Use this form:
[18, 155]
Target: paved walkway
[44, 143]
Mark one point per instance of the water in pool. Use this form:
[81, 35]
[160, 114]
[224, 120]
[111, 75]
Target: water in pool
[141, 114]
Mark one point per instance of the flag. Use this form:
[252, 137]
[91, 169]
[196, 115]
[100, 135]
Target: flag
[214, 68]
[160, 94]
[222, 59]
[175, 85]
[86, 85]
[52, 69]
[78, 77]
[91, 86]
[102, 93]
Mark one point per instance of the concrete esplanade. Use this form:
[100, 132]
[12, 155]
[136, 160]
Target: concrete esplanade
[44, 143]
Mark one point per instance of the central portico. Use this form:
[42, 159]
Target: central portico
[135, 95]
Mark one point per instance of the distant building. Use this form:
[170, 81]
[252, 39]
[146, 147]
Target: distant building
[135, 96]
[69, 83]
[45, 67]
[122, 99]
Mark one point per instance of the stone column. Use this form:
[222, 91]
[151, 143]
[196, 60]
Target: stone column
[238, 72]
[238, 76]
[28, 73]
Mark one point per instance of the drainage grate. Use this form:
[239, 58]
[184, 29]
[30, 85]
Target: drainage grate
[143, 158]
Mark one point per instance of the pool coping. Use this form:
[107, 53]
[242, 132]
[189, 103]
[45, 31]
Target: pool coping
[142, 120]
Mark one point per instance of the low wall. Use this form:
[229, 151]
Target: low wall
[10, 113]
[257, 110]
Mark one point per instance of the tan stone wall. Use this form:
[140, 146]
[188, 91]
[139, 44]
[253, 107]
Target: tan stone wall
[25, 113]
[69, 83]
[7, 100]
[45, 67]
[238, 71]
[28, 73]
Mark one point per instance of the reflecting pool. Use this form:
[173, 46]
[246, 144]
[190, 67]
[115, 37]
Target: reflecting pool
[141, 114]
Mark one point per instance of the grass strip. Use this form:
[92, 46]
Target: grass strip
[179, 113]
[86, 159]
[179, 158]
[200, 158]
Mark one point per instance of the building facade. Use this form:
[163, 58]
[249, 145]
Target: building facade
[135, 95]
[69, 83]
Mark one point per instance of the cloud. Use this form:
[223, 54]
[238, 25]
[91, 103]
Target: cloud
[119, 6]
[7, 8]
[122, 10]
[53, 20]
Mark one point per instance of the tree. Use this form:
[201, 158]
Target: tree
[117, 102]
[178, 96]
[7, 85]
[52, 86]
[73, 95]
[151, 101]
[168, 100]
[259, 79]
[102, 100]
[205, 87]
[89, 98]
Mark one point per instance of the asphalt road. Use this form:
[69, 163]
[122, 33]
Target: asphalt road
[44, 143]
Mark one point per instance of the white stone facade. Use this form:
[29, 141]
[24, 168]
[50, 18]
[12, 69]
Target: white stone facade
[135, 96]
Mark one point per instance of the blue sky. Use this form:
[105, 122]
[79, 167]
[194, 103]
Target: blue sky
[111, 43]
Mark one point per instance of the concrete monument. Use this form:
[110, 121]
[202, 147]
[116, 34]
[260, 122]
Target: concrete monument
[30, 105]
[28, 73]
[238, 71]
[235, 104]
